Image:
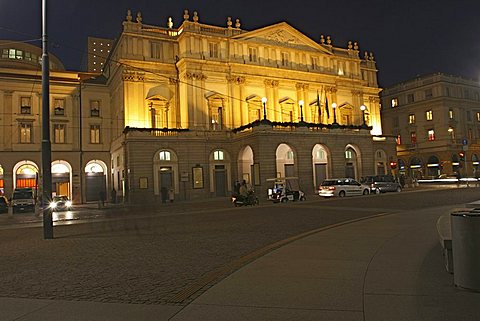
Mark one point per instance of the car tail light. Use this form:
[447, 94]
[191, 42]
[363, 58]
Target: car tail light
[332, 188]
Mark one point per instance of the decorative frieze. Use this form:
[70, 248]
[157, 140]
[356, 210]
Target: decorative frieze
[194, 76]
[238, 80]
[271, 83]
[133, 76]
[301, 86]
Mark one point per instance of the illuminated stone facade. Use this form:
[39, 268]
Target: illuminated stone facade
[187, 107]
[80, 136]
[435, 118]
[195, 108]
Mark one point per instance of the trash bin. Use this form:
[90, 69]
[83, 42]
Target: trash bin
[466, 248]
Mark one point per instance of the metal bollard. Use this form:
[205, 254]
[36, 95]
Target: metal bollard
[466, 248]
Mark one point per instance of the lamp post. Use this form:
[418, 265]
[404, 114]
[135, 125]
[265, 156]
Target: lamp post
[334, 107]
[264, 102]
[301, 110]
[362, 108]
[46, 143]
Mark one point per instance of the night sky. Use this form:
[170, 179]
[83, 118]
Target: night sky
[407, 37]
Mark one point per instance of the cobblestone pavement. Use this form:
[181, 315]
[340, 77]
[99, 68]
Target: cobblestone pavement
[152, 257]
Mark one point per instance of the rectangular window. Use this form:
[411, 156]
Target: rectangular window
[431, 135]
[428, 93]
[59, 107]
[413, 138]
[12, 53]
[314, 63]
[94, 134]
[94, 108]
[213, 49]
[450, 114]
[155, 50]
[447, 92]
[429, 115]
[5, 53]
[252, 54]
[25, 133]
[478, 116]
[285, 59]
[469, 115]
[399, 139]
[410, 98]
[59, 133]
[394, 102]
[25, 106]
[411, 119]
[19, 54]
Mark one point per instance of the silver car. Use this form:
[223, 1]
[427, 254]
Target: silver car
[342, 187]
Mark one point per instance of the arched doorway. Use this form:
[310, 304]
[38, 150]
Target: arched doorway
[165, 169]
[25, 174]
[455, 164]
[320, 164]
[219, 168]
[61, 178]
[351, 162]
[245, 166]
[416, 168]
[380, 162]
[285, 161]
[95, 180]
[402, 168]
[476, 165]
[433, 167]
[2, 184]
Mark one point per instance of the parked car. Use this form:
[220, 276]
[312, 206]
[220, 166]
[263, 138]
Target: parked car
[382, 184]
[342, 187]
[61, 203]
[23, 200]
[3, 204]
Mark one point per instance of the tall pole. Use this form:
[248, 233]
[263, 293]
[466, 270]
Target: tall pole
[46, 144]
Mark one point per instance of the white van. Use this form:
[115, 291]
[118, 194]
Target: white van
[23, 200]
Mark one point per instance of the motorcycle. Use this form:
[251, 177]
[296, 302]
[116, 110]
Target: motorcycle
[239, 200]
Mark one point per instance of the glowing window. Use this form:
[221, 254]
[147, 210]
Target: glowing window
[411, 119]
[431, 134]
[394, 102]
[218, 155]
[289, 154]
[164, 155]
[450, 114]
[429, 115]
[348, 154]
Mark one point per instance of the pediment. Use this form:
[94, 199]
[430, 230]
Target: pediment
[283, 35]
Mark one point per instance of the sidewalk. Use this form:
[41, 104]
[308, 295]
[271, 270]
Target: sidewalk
[385, 268]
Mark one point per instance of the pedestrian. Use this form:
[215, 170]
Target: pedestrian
[171, 195]
[164, 192]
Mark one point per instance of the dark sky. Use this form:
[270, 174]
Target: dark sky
[407, 37]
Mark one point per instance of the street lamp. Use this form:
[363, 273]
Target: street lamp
[334, 107]
[362, 108]
[301, 109]
[264, 102]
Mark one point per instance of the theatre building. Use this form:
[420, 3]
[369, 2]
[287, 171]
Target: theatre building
[194, 108]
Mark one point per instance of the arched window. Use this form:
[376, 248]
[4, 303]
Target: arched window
[218, 155]
[164, 155]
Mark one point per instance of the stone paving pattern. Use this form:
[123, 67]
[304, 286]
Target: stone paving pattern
[149, 259]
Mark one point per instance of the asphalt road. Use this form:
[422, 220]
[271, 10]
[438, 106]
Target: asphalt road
[171, 254]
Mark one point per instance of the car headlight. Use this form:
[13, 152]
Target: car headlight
[53, 205]
[68, 203]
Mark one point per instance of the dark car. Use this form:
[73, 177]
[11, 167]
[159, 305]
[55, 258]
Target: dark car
[61, 203]
[3, 204]
[382, 183]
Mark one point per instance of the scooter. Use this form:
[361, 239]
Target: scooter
[239, 200]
